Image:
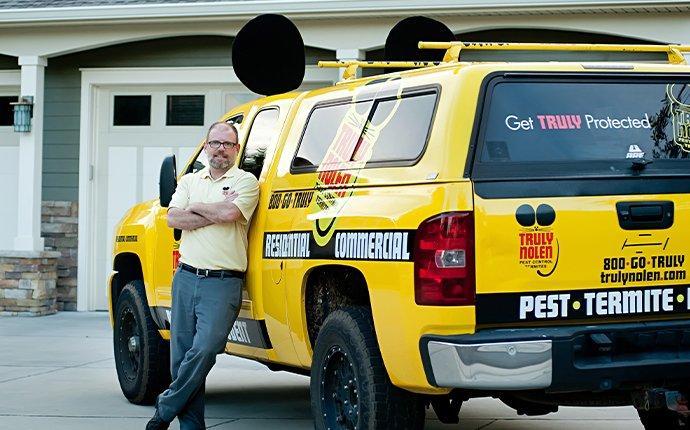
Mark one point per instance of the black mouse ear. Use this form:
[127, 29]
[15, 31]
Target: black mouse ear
[402, 40]
[268, 55]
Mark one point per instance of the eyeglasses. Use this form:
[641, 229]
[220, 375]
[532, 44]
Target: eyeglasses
[215, 144]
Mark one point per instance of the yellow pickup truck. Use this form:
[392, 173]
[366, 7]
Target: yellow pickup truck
[455, 230]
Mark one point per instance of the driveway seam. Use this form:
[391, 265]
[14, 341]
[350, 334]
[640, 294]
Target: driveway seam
[59, 368]
[224, 422]
[485, 425]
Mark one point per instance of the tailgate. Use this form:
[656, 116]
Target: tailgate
[582, 207]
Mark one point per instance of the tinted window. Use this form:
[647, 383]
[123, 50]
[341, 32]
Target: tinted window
[6, 111]
[400, 128]
[132, 110]
[261, 141]
[236, 120]
[325, 125]
[587, 121]
[185, 110]
[352, 135]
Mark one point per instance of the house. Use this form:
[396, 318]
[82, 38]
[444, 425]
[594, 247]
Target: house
[119, 84]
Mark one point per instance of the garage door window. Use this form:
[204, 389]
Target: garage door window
[132, 110]
[6, 114]
[185, 110]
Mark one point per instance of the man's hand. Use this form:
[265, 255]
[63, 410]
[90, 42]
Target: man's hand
[184, 219]
[220, 212]
[230, 195]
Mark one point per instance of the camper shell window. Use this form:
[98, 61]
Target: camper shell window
[537, 127]
[378, 132]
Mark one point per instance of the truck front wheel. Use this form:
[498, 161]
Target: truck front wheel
[350, 388]
[142, 357]
[661, 419]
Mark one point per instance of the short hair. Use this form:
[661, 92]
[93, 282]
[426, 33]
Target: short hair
[226, 124]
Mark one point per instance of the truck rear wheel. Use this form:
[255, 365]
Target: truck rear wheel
[350, 388]
[142, 357]
[661, 419]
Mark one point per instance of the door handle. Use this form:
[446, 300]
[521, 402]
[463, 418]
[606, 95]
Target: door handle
[656, 215]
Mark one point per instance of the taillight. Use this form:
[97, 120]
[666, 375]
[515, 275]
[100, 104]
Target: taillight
[444, 260]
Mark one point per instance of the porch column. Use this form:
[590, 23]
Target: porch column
[31, 159]
[349, 54]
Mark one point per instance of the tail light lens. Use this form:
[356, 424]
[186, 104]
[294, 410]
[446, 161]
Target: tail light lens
[444, 260]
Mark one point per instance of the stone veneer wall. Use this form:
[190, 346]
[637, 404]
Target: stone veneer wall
[28, 282]
[59, 221]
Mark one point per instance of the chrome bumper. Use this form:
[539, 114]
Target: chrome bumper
[492, 366]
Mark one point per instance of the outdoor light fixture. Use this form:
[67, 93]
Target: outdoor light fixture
[23, 113]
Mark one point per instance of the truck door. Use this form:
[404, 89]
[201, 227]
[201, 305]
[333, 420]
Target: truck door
[582, 204]
[262, 330]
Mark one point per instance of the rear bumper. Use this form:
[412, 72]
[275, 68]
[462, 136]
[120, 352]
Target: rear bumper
[492, 366]
[563, 359]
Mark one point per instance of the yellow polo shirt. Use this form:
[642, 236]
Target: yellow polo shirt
[217, 246]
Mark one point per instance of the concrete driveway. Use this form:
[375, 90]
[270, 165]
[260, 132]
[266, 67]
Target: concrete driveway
[57, 372]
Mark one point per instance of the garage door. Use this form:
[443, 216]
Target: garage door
[136, 128]
[9, 155]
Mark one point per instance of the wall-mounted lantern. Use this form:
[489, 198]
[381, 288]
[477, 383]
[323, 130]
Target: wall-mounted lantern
[23, 111]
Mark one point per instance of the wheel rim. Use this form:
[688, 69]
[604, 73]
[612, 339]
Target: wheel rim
[340, 401]
[129, 344]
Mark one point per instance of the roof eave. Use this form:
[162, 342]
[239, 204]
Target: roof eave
[234, 9]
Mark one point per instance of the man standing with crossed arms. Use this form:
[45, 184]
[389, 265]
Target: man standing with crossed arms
[212, 207]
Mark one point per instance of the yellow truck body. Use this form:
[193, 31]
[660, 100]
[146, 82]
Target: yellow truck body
[555, 256]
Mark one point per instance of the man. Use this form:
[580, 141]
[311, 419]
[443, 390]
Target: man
[212, 207]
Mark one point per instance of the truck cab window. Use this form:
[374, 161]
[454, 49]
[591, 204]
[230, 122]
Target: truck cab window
[261, 141]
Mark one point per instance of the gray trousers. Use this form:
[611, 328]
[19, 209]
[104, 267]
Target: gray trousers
[203, 312]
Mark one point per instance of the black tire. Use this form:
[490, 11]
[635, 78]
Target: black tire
[661, 419]
[349, 384]
[144, 369]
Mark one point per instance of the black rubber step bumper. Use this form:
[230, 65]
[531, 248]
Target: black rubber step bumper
[562, 359]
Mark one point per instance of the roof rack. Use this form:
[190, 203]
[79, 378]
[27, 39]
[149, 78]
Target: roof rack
[453, 49]
[351, 66]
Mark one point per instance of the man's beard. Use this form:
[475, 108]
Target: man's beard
[220, 163]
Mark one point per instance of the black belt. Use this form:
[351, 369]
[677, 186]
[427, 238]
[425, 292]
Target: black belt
[212, 273]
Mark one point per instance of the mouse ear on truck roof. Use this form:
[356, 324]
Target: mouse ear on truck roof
[268, 55]
[402, 40]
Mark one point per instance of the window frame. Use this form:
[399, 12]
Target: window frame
[249, 134]
[512, 171]
[405, 93]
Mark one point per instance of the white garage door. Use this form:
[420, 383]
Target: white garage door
[136, 128]
[9, 154]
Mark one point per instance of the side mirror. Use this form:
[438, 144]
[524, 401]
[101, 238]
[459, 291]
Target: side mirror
[198, 165]
[168, 180]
